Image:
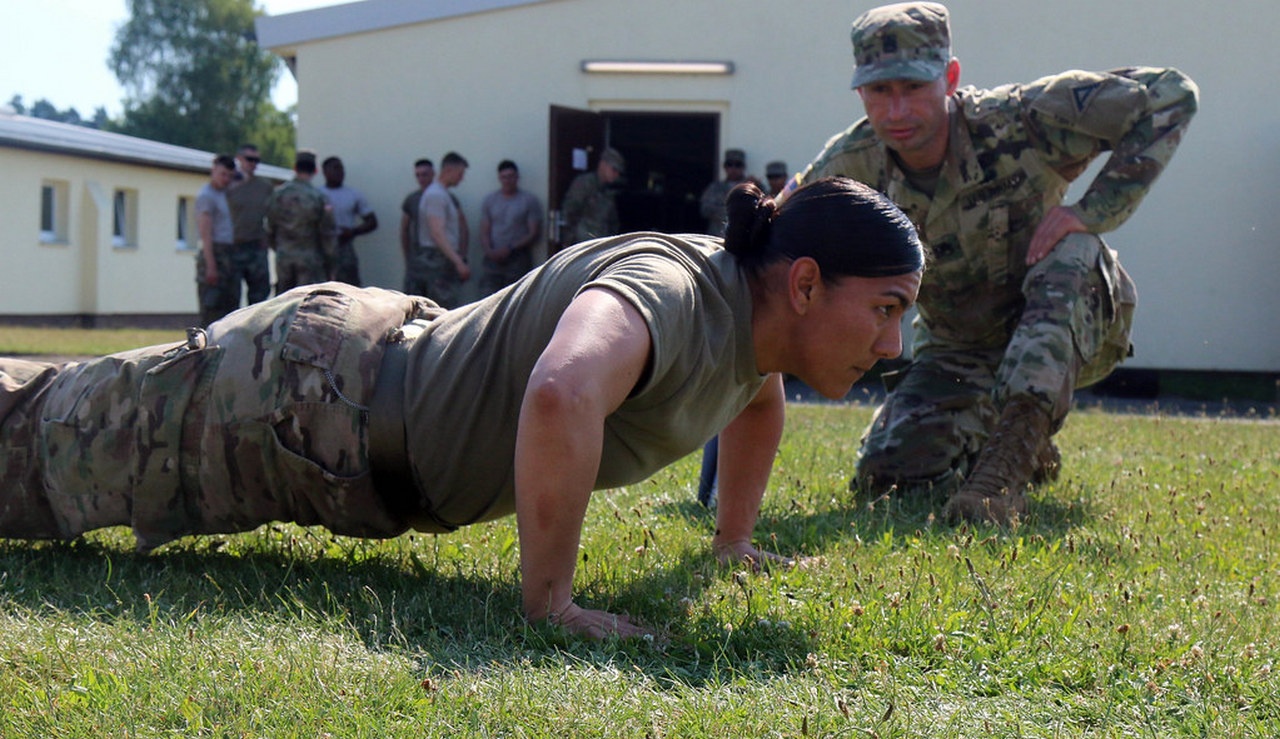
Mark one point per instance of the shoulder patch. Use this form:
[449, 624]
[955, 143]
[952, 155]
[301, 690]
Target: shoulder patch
[1082, 94]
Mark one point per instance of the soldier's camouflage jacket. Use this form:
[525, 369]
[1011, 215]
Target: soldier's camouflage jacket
[298, 222]
[1012, 153]
[589, 210]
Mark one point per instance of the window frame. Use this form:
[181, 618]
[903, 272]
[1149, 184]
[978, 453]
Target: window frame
[185, 236]
[55, 201]
[124, 218]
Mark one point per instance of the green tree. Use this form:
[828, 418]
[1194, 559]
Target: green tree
[195, 76]
[42, 108]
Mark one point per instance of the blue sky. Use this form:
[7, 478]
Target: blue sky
[57, 49]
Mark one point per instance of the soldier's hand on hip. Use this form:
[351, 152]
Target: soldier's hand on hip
[1056, 225]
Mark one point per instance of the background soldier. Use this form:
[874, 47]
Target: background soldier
[415, 278]
[711, 204]
[247, 197]
[299, 226]
[510, 224]
[442, 234]
[775, 175]
[352, 217]
[214, 264]
[589, 208]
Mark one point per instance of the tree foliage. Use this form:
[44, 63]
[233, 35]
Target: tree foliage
[42, 108]
[195, 76]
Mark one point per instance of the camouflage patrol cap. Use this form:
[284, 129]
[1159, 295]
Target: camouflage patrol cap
[907, 41]
[614, 158]
[775, 169]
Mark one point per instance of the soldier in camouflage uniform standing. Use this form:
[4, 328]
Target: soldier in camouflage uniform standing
[589, 209]
[711, 204]
[1022, 302]
[299, 226]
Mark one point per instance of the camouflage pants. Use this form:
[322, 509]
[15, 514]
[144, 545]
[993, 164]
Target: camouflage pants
[260, 418]
[243, 262]
[497, 276]
[429, 273]
[297, 266]
[1073, 331]
[346, 267]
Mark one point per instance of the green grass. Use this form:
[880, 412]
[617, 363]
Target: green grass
[17, 340]
[1139, 599]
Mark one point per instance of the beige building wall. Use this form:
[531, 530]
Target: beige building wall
[85, 269]
[1202, 247]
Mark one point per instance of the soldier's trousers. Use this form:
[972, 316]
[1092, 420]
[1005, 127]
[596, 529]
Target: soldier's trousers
[263, 417]
[1072, 333]
[246, 262]
[497, 276]
[346, 266]
[297, 266]
[431, 274]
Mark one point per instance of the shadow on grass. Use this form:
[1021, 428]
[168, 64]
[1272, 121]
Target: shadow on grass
[451, 610]
[447, 613]
[381, 595]
[802, 528]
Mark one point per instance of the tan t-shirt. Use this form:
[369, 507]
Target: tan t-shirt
[467, 373]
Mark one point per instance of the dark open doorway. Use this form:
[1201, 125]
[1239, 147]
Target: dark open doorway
[671, 157]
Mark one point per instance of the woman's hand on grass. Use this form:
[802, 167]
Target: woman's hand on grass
[597, 624]
[740, 552]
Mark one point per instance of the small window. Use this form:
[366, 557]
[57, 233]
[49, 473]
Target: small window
[124, 218]
[54, 200]
[184, 223]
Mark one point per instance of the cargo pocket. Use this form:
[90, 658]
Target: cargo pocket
[88, 471]
[1120, 297]
[308, 463]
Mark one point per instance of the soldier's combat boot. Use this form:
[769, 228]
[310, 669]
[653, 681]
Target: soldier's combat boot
[1048, 464]
[995, 490]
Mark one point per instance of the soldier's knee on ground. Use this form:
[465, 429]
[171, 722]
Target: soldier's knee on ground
[869, 482]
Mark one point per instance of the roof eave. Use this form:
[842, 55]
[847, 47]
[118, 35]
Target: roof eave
[282, 34]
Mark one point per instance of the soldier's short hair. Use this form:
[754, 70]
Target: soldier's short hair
[453, 158]
[225, 160]
[305, 161]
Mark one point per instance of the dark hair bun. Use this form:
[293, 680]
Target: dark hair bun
[751, 214]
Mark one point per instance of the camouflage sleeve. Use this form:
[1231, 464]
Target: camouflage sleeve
[574, 200]
[268, 220]
[846, 155]
[1139, 113]
[710, 203]
[328, 234]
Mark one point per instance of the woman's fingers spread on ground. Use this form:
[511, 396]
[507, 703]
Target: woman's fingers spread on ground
[599, 624]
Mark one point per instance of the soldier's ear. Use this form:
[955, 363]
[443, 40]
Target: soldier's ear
[802, 277]
[953, 76]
